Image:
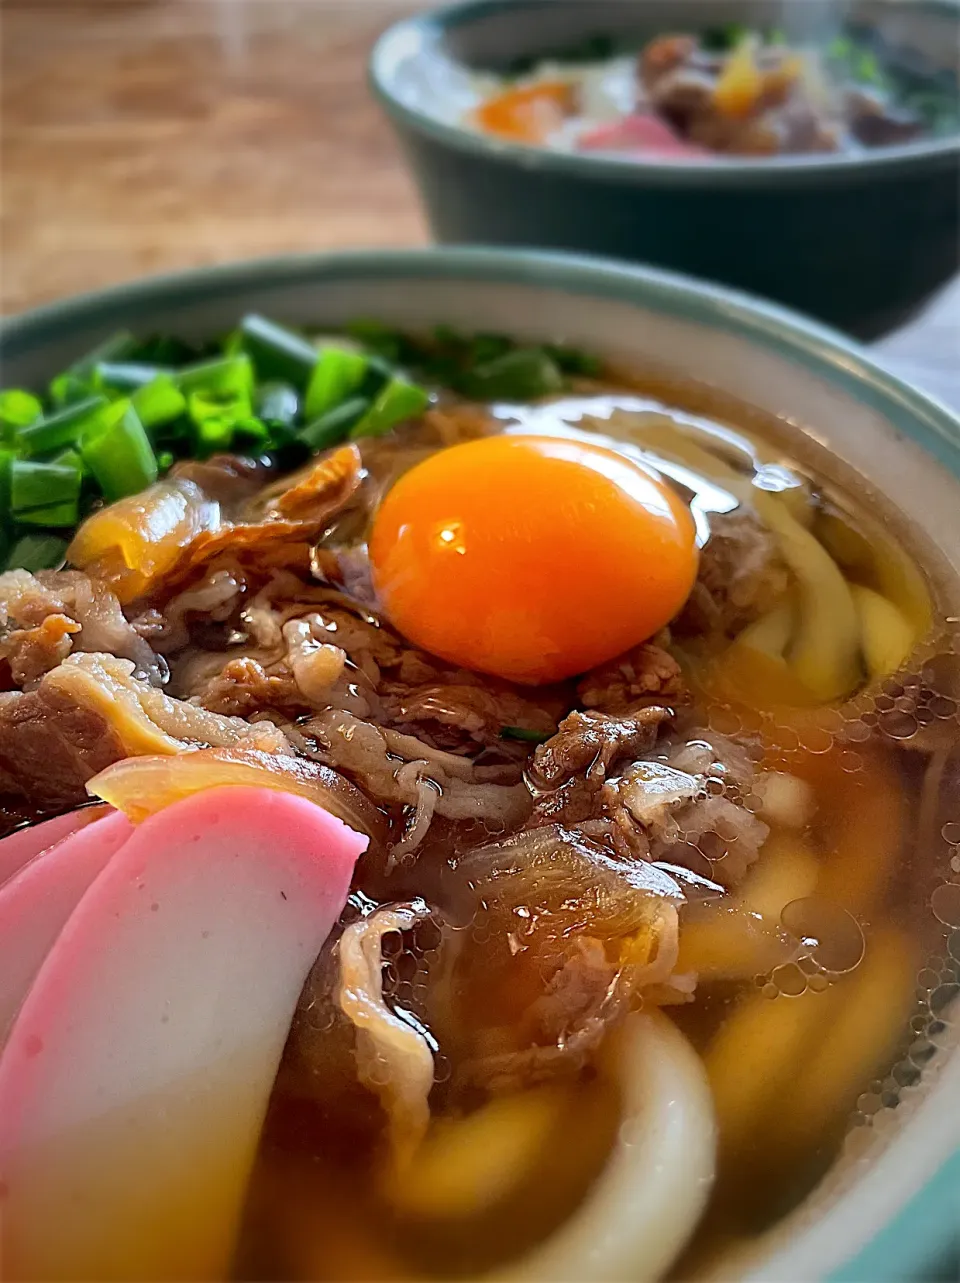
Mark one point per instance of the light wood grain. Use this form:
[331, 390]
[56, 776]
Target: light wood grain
[138, 136]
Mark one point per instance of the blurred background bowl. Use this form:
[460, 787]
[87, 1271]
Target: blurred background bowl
[861, 240]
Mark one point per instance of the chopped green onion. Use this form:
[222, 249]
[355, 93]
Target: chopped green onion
[127, 376]
[524, 374]
[114, 348]
[278, 404]
[55, 431]
[69, 458]
[67, 389]
[42, 485]
[18, 409]
[251, 431]
[276, 352]
[118, 452]
[336, 377]
[227, 376]
[159, 402]
[398, 401]
[58, 514]
[333, 427]
[486, 347]
[165, 460]
[214, 420]
[388, 343]
[37, 552]
[77, 381]
[217, 418]
[521, 733]
[570, 360]
[6, 463]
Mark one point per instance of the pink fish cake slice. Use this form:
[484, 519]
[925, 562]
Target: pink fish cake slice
[36, 903]
[25, 844]
[135, 1080]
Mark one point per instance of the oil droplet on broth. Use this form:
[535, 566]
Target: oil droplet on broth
[839, 940]
[945, 903]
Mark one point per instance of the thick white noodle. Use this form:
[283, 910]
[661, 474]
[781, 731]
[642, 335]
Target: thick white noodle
[649, 1197]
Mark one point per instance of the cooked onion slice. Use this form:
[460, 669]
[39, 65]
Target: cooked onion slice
[136, 540]
[141, 786]
[394, 1058]
[651, 1192]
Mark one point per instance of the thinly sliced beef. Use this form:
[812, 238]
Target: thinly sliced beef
[682, 801]
[91, 711]
[463, 715]
[599, 932]
[590, 743]
[742, 575]
[398, 769]
[50, 745]
[46, 616]
[646, 675]
[690, 803]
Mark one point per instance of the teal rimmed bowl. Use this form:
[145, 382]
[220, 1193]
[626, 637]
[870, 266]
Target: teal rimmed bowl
[860, 241]
[888, 1215]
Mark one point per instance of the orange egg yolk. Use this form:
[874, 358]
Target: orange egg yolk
[531, 558]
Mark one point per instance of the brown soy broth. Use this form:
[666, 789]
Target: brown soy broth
[818, 1046]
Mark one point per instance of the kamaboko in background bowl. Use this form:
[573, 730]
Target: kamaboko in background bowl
[861, 238]
[533, 713]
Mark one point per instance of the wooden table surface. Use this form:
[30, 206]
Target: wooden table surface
[137, 136]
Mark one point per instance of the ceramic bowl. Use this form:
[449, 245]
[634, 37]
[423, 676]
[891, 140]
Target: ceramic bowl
[888, 1210]
[860, 241]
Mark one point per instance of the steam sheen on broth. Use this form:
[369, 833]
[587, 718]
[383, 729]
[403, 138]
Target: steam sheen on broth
[629, 957]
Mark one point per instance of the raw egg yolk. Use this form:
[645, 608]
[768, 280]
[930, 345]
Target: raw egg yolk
[531, 558]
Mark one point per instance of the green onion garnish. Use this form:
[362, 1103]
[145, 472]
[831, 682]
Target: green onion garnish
[398, 402]
[333, 427]
[525, 374]
[41, 486]
[54, 431]
[17, 410]
[521, 733]
[278, 405]
[226, 376]
[118, 452]
[127, 376]
[37, 552]
[337, 376]
[276, 352]
[159, 402]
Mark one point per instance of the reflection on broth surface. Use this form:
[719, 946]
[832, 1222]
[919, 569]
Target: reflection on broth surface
[742, 828]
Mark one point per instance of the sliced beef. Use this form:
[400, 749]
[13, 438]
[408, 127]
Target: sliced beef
[741, 576]
[50, 745]
[92, 710]
[589, 743]
[88, 619]
[645, 676]
[682, 801]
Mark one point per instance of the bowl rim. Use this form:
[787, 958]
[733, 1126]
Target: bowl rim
[921, 1226]
[429, 28]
